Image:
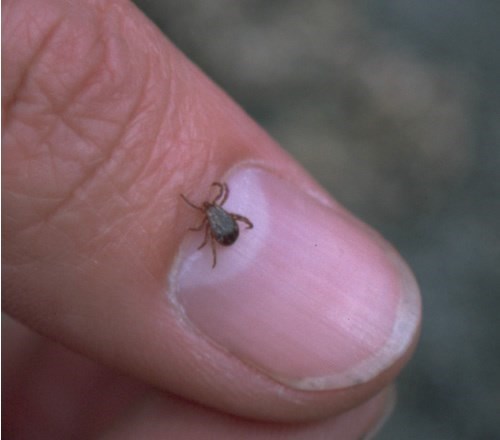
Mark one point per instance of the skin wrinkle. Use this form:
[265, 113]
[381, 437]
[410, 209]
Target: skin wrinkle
[156, 167]
[25, 74]
[149, 164]
[51, 216]
[100, 243]
[180, 134]
[37, 65]
[98, 166]
[92, 174]
[185, 132]
[61, 112]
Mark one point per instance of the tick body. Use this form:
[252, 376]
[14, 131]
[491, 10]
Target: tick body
[220, 226]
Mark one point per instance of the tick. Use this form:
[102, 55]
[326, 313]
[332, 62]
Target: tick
[221, 226]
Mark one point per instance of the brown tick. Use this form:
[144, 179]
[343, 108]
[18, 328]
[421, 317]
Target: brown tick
[219, 224]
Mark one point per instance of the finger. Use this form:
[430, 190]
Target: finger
[49, 392]
[106, 125]
[55, 393]
[169, 417]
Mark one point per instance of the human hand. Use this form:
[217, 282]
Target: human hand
[307, 318]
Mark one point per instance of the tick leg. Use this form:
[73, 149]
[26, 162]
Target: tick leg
[226, 194]
[199, 227]
[207, 229]
[222, 190]
[191, 204]
[243, 219]
[214, 253]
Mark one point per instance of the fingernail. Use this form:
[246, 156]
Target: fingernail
[310, 296]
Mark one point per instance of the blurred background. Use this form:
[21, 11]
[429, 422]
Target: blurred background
[394, 106]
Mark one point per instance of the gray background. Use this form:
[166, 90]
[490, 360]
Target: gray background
[394, 107]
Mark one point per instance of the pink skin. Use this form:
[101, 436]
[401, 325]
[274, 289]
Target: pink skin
[96, 150]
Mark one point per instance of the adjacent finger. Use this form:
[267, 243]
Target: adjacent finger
[167, 417]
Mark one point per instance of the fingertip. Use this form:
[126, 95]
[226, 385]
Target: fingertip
[305, 302]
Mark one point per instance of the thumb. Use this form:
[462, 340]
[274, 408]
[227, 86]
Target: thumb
[106, 125]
